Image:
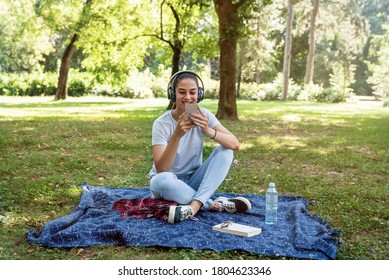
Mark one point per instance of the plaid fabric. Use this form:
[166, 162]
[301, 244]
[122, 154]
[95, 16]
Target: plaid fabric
[141, 208]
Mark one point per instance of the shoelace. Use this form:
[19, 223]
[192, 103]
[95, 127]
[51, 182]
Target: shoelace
[229, 206]
[186, 214]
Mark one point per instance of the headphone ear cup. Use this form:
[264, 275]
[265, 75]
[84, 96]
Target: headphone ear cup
[171, 94]
[200, 94]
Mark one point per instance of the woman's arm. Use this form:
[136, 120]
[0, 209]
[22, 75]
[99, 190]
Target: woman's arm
[164, 156]
[219, 133]
[223, 136]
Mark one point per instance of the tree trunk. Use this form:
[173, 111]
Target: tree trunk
[257, 65]
[312, 44]
[240, 68]
[287, 50]
[176, 47]
[62, 89]
[228, 40]
[177, 50]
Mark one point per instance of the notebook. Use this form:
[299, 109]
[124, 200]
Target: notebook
[237, 229]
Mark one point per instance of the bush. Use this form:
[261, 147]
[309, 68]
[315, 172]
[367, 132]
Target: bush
[80, 83]
[250, 91]
[38, 84]
[386, 100]
[313, 92]
[146, 85]
[139, 85]
[310, 92]
[105, 90]
[159, 90]
[27, 84]
[41, 84]
[211, 88]
[269, 91]
[77, 88]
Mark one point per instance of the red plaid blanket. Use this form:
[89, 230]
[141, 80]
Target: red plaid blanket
[141, 208]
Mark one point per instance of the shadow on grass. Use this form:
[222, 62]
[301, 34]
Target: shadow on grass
[61, 104]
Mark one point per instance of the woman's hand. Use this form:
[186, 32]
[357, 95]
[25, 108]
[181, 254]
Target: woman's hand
[201, 120]
[219, 133]
[184, 124]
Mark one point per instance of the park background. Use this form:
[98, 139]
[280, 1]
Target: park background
[302, 83]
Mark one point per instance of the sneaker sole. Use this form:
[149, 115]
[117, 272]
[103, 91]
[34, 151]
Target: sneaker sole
[246, 201]
[172, 212]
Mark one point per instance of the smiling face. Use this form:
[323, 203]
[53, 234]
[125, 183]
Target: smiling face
[186, 92]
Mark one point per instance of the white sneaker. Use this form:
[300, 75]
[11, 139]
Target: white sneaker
[234, 205]
[180, 213]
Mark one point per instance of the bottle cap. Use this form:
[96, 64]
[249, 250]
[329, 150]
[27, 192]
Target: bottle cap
[272, 185]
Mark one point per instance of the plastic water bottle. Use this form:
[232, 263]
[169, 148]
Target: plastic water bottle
[271, 204]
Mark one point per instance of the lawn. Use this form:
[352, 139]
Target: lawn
[336, 155]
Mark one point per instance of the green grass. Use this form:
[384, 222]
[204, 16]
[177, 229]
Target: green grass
[335, 155]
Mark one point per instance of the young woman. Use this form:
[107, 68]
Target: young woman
[178, 173]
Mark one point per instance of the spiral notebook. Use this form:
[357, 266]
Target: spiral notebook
[237, 229]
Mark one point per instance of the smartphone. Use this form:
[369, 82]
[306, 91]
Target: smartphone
[191, 108]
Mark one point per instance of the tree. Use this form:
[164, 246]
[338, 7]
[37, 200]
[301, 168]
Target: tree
[312, 44]
[62, 88]
[380, 69]
[257, 49]
[375, 12]
[65, 18]
[100, 30]
[229, 29]
[287, 50]
[107, 40]
[24, 39]
[345, 35]
[177, 24]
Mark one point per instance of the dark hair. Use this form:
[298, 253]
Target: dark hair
[184, 76]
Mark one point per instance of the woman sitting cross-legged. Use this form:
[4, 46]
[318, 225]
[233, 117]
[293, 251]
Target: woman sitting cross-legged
[178, 173]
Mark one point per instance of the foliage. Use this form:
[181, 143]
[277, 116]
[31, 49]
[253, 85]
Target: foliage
[257, 48]
[107, 40]
[176, 30]
[313, 92]
[269, 91]
[310, 92]
[28, 84]
[380, 69]
[24, 39]
[146, 85]
[119, 38]
[376, 13]
[341, 34]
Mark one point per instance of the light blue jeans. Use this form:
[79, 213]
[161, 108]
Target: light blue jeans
[200, 185]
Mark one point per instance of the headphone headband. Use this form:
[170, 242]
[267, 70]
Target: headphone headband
[171, 91]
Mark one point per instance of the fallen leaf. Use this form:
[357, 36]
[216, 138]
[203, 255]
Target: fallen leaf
[79, 252]
[30, 249]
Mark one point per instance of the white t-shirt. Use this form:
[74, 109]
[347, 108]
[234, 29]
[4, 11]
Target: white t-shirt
[190, 149]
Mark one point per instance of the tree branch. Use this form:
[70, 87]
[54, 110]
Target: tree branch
[175, 14]
[238, 4]
[160, 19]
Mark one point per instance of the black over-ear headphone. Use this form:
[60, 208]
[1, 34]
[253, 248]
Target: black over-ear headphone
[171, 91]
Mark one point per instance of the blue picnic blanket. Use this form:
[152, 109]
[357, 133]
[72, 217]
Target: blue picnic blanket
[298, 234]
